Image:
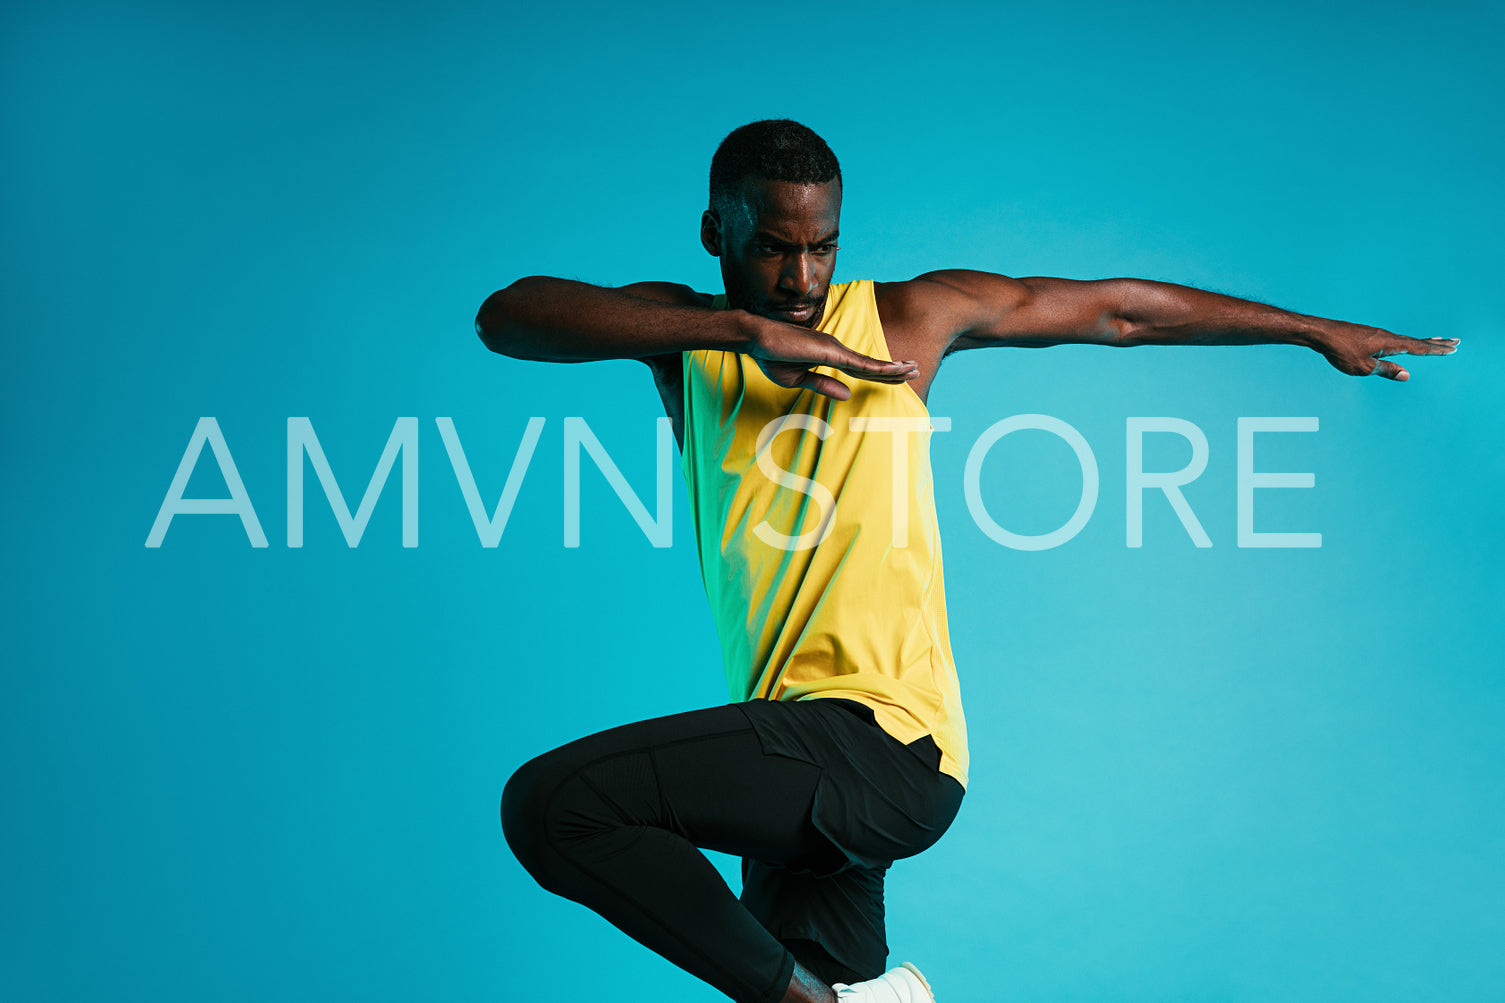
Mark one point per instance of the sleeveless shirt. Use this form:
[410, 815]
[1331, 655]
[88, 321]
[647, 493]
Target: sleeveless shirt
[816, 531]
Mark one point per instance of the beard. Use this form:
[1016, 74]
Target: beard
[741, 296]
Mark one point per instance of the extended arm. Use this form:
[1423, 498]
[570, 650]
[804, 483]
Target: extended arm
[559, 320]
[981, 309]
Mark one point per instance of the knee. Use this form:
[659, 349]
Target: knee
[547, 808]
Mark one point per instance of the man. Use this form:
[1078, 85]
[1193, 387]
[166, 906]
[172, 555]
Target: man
[845, 748]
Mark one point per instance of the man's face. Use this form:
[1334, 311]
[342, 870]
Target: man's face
[777, 248]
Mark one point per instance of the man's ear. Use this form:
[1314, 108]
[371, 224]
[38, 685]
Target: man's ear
[710, 232]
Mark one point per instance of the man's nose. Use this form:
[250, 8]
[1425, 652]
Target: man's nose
[798, 274]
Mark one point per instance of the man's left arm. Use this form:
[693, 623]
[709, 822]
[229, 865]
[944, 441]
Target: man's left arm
[980, 309]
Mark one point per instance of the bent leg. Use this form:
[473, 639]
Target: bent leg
[833, 924]
[613, 820]
[879, 801]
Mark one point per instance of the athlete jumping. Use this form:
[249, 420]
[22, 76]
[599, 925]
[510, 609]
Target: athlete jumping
[845, 748]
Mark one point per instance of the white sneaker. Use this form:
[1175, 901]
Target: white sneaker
[904, 984]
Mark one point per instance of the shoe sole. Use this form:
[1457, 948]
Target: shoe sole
[917, 974]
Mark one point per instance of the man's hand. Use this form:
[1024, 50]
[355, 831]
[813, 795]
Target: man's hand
[788, 353]
[1359, 351]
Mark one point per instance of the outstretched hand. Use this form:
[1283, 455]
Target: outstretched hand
[1359, 351]
[788, 355]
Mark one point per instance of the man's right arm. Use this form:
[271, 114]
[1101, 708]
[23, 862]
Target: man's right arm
[560, 320]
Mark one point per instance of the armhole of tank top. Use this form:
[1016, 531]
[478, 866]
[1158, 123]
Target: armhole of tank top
[880, 337]
[687, 363]
[881, 342]
[685, 423]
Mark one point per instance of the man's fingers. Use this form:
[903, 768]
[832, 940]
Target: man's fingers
[901, 376]
[1401, 345]
[1422, 346]
[854, 363]
[1361, 351]
[783, 344]
[791, 362]
[823, 384]
[1437, 346]
[867, 368]
[1431, 346]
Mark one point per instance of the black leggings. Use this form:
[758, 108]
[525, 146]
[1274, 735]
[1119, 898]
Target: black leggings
[612, 821]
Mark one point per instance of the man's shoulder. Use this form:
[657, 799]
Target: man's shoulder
[921, 309]
[934, 289]
[937, 307]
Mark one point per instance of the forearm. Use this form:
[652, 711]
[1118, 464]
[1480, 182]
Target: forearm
[560, 320]
[1160, 313]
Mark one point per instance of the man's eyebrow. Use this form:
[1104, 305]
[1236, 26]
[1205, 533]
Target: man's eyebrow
[769, 238]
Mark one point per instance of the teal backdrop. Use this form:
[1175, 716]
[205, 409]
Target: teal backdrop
[246, 773]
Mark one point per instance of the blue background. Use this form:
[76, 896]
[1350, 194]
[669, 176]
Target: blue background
[1220, 774]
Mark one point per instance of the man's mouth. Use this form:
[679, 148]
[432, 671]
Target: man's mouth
[802, 311]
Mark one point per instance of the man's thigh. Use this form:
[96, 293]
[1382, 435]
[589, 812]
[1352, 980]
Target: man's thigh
[701, 774]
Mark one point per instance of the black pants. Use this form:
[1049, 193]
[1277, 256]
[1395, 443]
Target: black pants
[814, 796]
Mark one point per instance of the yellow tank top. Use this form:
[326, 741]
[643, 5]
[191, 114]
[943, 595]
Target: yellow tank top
[816, 529]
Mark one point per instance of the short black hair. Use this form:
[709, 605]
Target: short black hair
[774, 149]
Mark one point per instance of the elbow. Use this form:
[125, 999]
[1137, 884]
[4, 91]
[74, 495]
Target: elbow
[1118, 324]
[491, 323]
[497, 324]
[1110, 327]
[1125, 332]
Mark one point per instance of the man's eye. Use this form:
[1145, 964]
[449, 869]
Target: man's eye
[825, 249]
